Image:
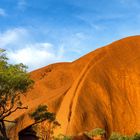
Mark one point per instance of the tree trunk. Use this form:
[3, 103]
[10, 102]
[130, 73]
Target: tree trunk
[3, 130]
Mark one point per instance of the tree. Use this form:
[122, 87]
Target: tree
[14, 82]
[45, 122]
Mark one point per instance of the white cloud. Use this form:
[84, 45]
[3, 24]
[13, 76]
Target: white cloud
[35, 55]
[21, 48]
[13, 37]
[2, 12]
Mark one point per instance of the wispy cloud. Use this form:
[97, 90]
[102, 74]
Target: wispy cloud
[22, 49]
[13, 37]
[61, 31]
[76, 41]
[35, 55]
[21, 4]
[2, 12]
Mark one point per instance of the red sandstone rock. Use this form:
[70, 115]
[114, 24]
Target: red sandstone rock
[99, 90]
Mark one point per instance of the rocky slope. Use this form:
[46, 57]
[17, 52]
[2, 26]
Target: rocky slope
[101, 89]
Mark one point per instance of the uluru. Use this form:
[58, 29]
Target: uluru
[98, 90]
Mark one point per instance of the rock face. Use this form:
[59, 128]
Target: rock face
[101, 89]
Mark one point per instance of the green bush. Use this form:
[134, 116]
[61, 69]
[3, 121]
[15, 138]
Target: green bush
[136, 137]
[95, 132]
[117, 136]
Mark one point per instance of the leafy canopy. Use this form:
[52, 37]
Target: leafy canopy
[14, 81]
[45, 122]
[41, 114]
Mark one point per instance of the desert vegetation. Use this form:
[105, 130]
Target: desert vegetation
[96, 132]
[14, 82]
[45, 122]
[62, 137]
[114, 136]
[117, 136]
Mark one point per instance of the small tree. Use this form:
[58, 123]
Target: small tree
[45, 122]
[14, 81]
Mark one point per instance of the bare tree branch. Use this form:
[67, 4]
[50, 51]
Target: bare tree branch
[10, 112]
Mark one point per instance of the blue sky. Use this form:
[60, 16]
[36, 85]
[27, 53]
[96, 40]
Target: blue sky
[41, 32]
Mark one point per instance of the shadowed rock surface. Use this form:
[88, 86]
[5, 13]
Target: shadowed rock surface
[99, 90]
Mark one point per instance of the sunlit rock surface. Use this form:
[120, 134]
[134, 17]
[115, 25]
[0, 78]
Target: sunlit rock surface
[101, 89]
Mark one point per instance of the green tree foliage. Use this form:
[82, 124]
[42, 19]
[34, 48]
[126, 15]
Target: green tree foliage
[14, 81]
[45, 122]
[41, 114]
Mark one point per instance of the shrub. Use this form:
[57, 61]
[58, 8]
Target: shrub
[95, 132]
[117, 136]
[136, 137]
[63, 137]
